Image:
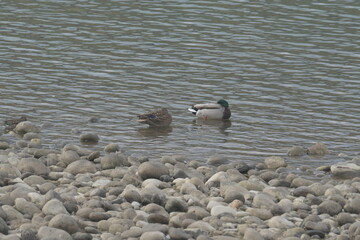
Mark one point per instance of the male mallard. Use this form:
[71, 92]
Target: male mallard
[156, 118]
[216, 111]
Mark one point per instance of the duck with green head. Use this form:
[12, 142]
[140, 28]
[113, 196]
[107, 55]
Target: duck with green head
[156, 118]
[212, 111]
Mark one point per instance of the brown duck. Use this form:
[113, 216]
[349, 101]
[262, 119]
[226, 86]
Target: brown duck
[156, 118]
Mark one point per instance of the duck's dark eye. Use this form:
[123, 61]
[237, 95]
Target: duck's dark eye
[152, 116]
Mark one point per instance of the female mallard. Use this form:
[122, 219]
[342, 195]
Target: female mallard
[216, 111]
[156, 118]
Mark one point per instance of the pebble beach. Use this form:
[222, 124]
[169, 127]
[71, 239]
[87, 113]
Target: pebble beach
[75, 193]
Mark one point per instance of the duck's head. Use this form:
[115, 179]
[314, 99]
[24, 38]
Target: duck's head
[223, 103]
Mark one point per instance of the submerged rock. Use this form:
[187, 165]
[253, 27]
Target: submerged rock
[318, 149]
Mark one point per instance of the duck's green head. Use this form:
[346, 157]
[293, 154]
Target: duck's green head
[223, 103]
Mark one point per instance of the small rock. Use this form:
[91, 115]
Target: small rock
[113, 160]
[330, 207]
[64, 222]
[33, 165]
[68, 157]
[156, 235]
[252, 234]
[90, 138]
[28, 234]
[344, 218]
[152, 170]
[345, 170]
[113, 147]
[178, 234]
[54, 207]
[353, 206]
[81, 166]
[219, 210]
[296, 151]
[176, 205]
[275, 162]
[53, 233]
[280, 222]
[26, 127]
[216, 160]
[317, 149]
[3, 227]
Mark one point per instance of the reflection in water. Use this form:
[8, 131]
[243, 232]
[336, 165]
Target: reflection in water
[154, 132]
[221, 124]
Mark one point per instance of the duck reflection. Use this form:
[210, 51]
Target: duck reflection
[155, 132]
[222, 125]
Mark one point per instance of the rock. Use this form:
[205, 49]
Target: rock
[12, 214]
[330, 207]
[94, 155]
[275, 162]
[32, 165]
[4, 145]
[296, 151]
[216, 160]
[82, 236]
[54, 207]
[89, 138]
[263, 200]
[263, 214]
[111, 148]
[280, 222]
[299, 182]
[25, 207]
[26, 127]
[345, 170]
[176, 205]
[353, 206]
[156, 235]
[68, 157]
[317, 149]
[178, 234]
[153, 195]
[252, 234]
[202, 226]
[131, 194]
[53, 234]
[81, 166]
[113, 160]
[354, 231]
[220, 210]
[344, 218]
[152, 170]
[3, 227]
[28, 234]
[64, 222]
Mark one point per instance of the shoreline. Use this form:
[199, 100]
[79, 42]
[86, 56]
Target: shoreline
[76, 193]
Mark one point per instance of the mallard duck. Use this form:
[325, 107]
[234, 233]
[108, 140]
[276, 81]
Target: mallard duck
[156, 118]
[10, 124]
[216, 111]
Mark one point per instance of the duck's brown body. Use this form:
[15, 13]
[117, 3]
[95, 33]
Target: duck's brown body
[156, 118]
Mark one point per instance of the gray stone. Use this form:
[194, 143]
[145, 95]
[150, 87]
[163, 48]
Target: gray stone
[202, 226]
[26, 127]
[216, 160]
[156, 235]
[345, 170]
[263, 214]
[344, 218]
[12, 214]
[113, 160]
[32, 165]
[90, 138]
[26, 207]
[153, 195]
[132, 194]
[4, 145]
[82, 236]
[317, 149]
[354, 231]
[54, 207]
[353, 206]
[3, 227]
[31, 135]
[81, 166]
[280, 222]
[176, 205]
[302, 191]
[178, 234]
[64, 222]
[111, 148]
[28, 234]
[275, 162]
[330, 207]
[220, 210]
[296, 151]
[152, 170]
[299, 182]
[252, 234]
[68, 157]
[53, 233]
[263, 200]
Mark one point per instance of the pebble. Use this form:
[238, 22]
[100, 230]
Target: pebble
[82, 194]
[89, 138]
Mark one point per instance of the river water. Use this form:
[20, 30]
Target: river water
[290, 71]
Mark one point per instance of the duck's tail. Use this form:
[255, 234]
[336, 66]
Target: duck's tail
[193, 110]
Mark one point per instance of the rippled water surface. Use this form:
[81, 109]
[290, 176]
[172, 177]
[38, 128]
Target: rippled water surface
[290, 71]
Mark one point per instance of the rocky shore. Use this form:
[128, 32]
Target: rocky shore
[74, 193]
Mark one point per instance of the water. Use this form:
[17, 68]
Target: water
[290, 71]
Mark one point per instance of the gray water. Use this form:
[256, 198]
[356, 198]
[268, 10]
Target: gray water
[289, 69]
